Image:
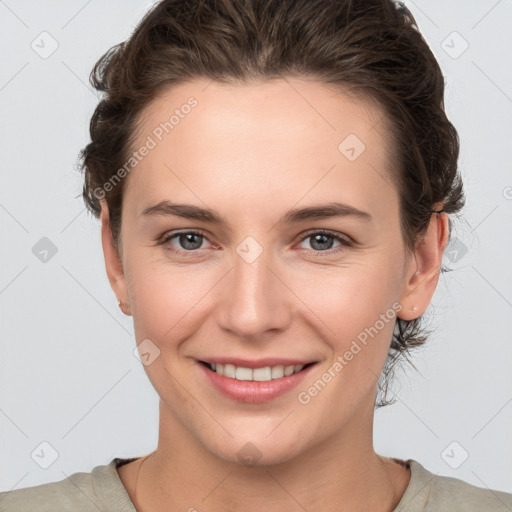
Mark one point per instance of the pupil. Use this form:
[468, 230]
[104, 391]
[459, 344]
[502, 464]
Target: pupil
[324, 238]
[186, 238]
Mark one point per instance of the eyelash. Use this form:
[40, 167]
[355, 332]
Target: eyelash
[344, 241]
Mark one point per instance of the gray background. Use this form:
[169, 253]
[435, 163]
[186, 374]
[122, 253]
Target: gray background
[72, 393]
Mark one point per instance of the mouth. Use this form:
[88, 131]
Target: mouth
[258, 373]
[254, 381]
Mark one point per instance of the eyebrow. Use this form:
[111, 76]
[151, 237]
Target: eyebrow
[192, 212]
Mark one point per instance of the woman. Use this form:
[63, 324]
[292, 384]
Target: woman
[273, 180]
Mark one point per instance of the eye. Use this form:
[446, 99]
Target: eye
[322, 241]
[189, 241]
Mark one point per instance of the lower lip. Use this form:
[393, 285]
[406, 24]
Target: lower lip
[254, 392]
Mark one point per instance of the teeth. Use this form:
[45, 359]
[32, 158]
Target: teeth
[242, 374]
[277, 372]
[229, 371]
[257, 374]
[262, 374]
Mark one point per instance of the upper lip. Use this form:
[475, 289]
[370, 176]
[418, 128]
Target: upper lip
[258, 363]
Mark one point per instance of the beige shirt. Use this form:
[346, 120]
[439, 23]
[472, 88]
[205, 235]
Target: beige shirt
[102, 490]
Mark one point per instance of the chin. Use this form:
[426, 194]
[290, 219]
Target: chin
[257, 454]
[253, 449]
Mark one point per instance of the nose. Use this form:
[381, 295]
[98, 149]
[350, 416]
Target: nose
[256, 298]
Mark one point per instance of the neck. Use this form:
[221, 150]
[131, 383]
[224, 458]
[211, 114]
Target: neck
[341, 473]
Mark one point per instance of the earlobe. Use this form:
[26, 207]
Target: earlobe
[113, 261]
[425, 266]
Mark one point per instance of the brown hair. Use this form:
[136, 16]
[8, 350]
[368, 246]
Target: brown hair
[370, 47]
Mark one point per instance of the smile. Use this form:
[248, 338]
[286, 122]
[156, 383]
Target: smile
[254, 382]
[262, 374]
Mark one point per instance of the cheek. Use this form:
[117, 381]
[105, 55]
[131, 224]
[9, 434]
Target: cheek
[348, 299]
[356, 308]
[166, 299]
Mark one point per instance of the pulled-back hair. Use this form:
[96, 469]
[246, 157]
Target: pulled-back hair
[371, 48]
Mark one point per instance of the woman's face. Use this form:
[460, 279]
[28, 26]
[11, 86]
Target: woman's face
[259, 286]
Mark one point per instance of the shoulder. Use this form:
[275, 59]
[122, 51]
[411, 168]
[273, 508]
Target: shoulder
[73, 493]
[461, 495]
[429, 492]
[99, 489]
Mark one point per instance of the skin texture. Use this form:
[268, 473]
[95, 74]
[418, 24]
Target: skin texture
[252, 153]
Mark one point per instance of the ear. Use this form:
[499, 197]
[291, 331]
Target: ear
[424, 268]
[113, 261]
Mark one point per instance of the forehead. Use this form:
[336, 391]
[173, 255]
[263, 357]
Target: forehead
[278, 140]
